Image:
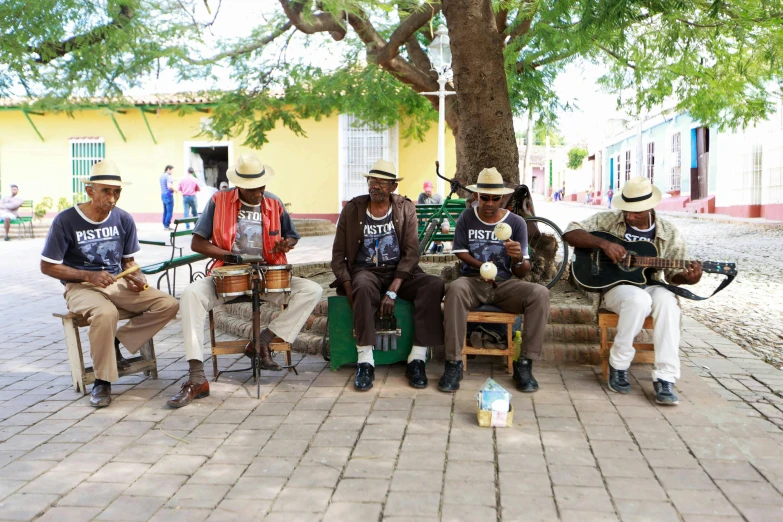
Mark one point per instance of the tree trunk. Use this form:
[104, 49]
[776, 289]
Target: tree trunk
[485, 134]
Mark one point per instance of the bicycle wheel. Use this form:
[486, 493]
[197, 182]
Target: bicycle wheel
[548, 252]
[426, 236]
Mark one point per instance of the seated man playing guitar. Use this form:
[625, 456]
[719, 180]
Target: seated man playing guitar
[635, 220]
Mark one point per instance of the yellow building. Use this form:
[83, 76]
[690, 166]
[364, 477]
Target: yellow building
[46, 153]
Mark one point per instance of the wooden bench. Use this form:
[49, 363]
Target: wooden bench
[81, 376]
[454, 208]
[645, 352]
[491, 314]
[24, 223]
[177, 259]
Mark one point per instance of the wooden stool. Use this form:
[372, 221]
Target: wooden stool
[645, 352]
[237, 347]
[491, 314]
[81, 376]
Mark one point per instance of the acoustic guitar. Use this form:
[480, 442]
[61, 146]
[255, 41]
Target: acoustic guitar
[595, 271]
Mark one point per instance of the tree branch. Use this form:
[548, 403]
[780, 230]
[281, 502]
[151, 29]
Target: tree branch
[404, 31]
[616, 56]
[49, 51]
[521, 28]
[501, 20]
[417, 54]
[320, 22]
[244, 49]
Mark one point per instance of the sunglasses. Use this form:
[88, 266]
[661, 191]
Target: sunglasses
[490, 198]
[372, 182]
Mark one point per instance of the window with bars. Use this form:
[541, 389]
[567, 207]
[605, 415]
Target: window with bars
[751, 175]
[617, 176]
[362, 145]
[627, 165]
[676, 151]
[650, 167]
[85, 152]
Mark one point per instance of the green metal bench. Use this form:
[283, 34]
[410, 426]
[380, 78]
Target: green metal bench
[177, 259]
[24, 223]
[453, 209]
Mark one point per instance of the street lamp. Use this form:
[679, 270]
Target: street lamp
[440, 57]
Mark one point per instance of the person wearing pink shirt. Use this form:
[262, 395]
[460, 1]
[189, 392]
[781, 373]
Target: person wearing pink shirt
[189, 186]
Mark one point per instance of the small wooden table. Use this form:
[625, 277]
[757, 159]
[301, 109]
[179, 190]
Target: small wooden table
[491, 314]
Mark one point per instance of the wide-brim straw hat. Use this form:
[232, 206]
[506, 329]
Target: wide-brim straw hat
[490, 181]
[249, 172]
[638, 195]
[384, 170]
[105, 172]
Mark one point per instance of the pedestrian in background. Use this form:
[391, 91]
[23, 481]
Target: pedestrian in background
[167, 196]
[429, 198]
[9, 209]
[189, 186]
[609, 195]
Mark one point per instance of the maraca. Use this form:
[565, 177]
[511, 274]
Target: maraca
[488, 271]
[503, 231]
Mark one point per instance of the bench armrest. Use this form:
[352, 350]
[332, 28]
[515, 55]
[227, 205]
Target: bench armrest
[156, 243]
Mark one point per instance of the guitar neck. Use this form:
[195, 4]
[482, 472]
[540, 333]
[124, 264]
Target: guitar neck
[659, 262]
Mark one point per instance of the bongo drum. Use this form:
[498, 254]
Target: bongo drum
[277, 278]
[232, 280]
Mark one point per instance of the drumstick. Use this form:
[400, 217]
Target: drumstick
[134, 268]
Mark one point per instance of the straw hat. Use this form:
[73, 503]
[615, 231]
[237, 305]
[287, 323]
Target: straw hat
[383, 170]
[105, 172]
[638, 195]
[249, 172]
[490, 181]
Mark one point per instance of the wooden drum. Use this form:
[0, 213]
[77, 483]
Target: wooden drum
[233, 280]
[276, 278]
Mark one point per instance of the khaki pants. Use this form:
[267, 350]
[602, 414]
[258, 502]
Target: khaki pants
[100, 307]
[515, 296]
[200, 297]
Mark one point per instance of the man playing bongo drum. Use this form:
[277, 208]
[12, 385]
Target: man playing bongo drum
[245, 220]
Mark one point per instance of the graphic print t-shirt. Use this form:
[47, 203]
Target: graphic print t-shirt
[636, 234]
[477, 238]
[250, 230]
[77, 242]
[380, 242]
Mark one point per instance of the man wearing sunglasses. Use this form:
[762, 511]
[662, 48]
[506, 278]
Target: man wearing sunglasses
[475, 243]
[375, 258]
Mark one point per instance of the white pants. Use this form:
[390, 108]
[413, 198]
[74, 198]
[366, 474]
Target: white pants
[633, 305]
[200, 297]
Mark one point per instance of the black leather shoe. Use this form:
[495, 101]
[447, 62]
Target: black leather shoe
[523, 376]
[100, 397]
[618, 380]
[122, 362]
[365, 374]
[451, 376]
[416, 374]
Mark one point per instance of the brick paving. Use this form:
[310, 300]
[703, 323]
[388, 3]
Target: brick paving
[313, 449]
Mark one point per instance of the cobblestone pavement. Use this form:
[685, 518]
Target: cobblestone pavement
[314, 449]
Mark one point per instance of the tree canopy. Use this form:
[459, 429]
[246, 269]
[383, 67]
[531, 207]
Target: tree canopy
[714, 59]
[576, 156]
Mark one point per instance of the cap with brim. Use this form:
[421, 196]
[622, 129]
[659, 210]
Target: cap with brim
[383, 170]
[638, 195]
[105, 172]
[249, 172]
[490, 181]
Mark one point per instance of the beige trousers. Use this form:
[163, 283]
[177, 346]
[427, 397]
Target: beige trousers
[100, 307]
[515, 296]
[199, 298]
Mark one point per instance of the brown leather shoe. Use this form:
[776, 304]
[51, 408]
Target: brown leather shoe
[100, 397]
[189, 392]
[122, 362]
[267, 363]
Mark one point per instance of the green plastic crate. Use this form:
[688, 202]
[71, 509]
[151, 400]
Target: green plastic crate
[342, 343]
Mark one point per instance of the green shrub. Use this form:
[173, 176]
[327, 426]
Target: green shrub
[42, 208]
[63, 204]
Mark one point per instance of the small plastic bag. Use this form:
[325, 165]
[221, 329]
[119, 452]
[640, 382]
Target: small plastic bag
[494, 404]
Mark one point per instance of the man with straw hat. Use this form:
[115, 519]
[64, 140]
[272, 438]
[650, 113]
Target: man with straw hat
[87, 246]
[245, 220]
[375, 258]
[475, 244]
[635, 220]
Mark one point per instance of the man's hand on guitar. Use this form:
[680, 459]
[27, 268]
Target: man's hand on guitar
[614, 251]
[692, 274]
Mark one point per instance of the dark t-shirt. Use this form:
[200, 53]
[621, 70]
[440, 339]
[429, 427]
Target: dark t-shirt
[477, 238]
[250, 231]
[634, 234]
[380, 245]
[77, 242]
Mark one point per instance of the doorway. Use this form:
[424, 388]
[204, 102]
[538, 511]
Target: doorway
[700, 155]
[213, 162]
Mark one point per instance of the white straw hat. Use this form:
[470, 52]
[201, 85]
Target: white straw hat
[490, 181]
[384, 170]
[249, 172]
[105, 172]
[638, 195]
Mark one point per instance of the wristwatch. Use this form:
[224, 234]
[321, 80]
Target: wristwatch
[392, 295]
